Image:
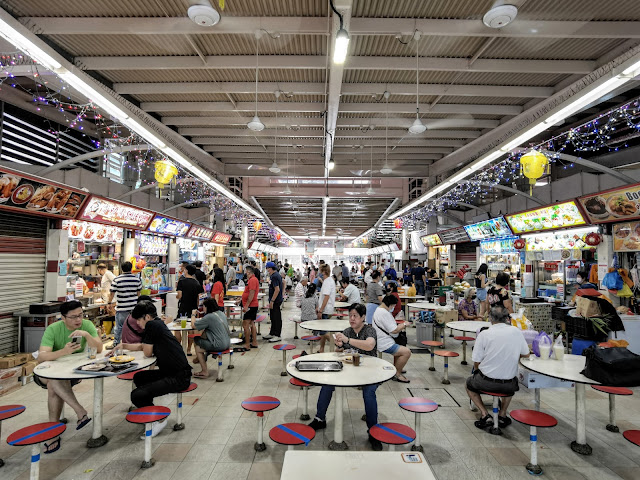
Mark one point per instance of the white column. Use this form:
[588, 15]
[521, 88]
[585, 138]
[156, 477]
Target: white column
[55, 286]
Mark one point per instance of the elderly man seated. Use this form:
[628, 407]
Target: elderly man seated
[496, 355]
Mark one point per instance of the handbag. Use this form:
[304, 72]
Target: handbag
[613, 366]
[401, 339]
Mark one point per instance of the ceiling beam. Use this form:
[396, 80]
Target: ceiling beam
[318, 88]
[337, 151]
[318, 62]
[319, 107]
[319, 26]
[318, 156]
[344, 142]
[269, 133]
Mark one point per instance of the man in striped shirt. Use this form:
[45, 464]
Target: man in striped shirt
[125, 288]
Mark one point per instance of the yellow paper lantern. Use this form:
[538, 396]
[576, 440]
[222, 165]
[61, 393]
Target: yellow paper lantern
[534, 165]
[257, 226]
[165, 171]
[365, 241]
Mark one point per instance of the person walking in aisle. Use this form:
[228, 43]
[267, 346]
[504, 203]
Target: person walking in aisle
[275, 303]
[327, 301]
[125, 288]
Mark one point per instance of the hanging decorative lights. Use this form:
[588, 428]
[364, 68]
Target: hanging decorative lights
[278, 236]
[534, 165]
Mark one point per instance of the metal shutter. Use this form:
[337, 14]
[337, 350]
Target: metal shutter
[466, 255]
[22, 271]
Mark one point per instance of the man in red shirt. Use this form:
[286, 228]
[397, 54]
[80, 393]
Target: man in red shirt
[250, 309]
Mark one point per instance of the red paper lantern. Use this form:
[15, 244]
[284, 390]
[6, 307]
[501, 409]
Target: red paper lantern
[278, 236]
[593, 239]
[519, 244]
[397, 223]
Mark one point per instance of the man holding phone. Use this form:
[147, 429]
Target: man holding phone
[70, 335]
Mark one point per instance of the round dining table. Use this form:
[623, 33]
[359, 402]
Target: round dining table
[184, 335]
[405, 299]
[468, 326]
[326, 325]
[569, 369]
[64, 369]
[371, 370]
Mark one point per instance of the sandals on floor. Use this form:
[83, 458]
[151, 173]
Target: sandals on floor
[504, 421]
[82, 422]
[484, 422]
[395, 378]
[52, 446]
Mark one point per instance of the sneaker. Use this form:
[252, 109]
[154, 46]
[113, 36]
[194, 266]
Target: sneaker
[156, 428]
[504, 421]
[267, 337]
[275, 339]
[484, 422]
[318, 424]
[376, 445]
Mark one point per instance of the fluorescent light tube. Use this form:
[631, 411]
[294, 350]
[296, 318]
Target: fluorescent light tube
[341, 46]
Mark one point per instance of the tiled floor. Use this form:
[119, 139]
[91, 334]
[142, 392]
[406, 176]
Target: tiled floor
[217, 442]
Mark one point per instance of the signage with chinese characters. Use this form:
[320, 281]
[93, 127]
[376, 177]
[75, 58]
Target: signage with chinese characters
[168, 226]
[431, 240]
[153, 245]
[560, 215]
[38, 196]
[454, 235]
[93, 232]
[198, 232]
[615, 205]
[494, 227]
[110, 212]
[498, 246]
[221, 238]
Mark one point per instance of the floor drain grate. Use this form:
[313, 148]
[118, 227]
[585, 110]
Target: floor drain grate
[439, 395]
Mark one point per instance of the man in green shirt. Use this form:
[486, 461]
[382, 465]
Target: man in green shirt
[68, 336]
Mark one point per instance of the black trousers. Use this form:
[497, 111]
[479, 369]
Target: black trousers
[155, 383]
[276, 319]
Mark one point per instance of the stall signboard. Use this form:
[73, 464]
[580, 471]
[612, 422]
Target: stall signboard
[168, 226]
[431, 240]
[221, 238]
[339, 246]
[110, 212]
[153, 245]
[34, 195]
[454, 235]
[494, 227]
[560, 215]
[559, 241]
[198, 232]
[498, 246]
[614, 205]
[626, 237]
[93, 232]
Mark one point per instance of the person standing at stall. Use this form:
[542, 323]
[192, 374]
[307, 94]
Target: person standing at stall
[125, 288]
[275, 303]
[250, 309]
[200, 275]
[107, 278]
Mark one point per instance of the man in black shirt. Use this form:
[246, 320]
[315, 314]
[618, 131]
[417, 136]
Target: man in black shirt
[200, 275]
[173, 374]
[419, 278]
[188, 290]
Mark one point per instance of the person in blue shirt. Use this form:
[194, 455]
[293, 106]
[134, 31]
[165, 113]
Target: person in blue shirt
[406, 277]
[390, 273]
[275, 303]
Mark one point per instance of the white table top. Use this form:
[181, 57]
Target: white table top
[326, 325]
[176, 327]
[407, 297]
[355, 465]
[568, 368]
[470, 326]
[62, 368]
[341, 304]
[371, 370]
[429, 306]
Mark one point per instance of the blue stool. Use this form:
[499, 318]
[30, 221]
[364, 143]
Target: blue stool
[579, 344]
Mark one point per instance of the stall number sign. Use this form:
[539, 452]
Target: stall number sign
[106, 211]
[200, 233]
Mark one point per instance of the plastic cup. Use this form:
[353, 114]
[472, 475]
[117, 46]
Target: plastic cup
[356, 359]
[558, 351]
[545, 351]
[183, 323]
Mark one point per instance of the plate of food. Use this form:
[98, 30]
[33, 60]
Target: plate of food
[22, 194]
[41, 198]
[619, 206]
[8, 184]
[58, 201]
[94, 367]
[596, 207]
[71, 207]
[122, 359]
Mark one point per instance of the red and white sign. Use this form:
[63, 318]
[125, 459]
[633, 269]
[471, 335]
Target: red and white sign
[198, 232]
[93, 232]
[101, 210]
[222, 238]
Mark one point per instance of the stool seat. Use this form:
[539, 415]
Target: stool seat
[418, 404]
[126, 376]
[298, 383]
[606, 345]
[9, 411]
[534, 418]
[296, 356]
[260, 318]
[284, 346]
[221, 353]
[150, 414]
[190, 388]
[193, 335]
[464, 339]
[311, 338]
[38, 433]
[292, 434]
[393, 433]
[431, 343]
[446, 353]
[613, 390]
[633, 436]
[260, 403]
[496, 394]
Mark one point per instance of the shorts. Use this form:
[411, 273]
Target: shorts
[481, 294]
[392, 349]
[37, 381]
[251, 314]
[207, 346]
[478, 383]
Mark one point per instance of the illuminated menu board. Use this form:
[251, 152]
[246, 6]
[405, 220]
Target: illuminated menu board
[198, 232]
[615, 205]
[560, 215]
[431, 240]
[454, 235]
[93, 232]
[222, 238]
[101, 210]
[153, 245]
[494, 227]
[168, 226]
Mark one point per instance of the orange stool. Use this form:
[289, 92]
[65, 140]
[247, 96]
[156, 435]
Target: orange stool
[495, 430]
[6, 412]
[305, 392]
[393, 434]
[311, 339]
[179, 425]
[148, 415]
[260, 405]
[34, 435]
[284, 347]
[292, 434]
[535, 420]
[612, 391]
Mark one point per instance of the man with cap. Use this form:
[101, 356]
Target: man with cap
[275, 302]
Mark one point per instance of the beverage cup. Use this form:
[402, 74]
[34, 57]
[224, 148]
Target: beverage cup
[356, 359]
[91, 353]
[183, 323]
[545, 350]
[558, 351]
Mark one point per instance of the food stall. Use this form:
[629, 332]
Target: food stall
[490, 229]
[450, 238]
[153, 251]
[214, 249]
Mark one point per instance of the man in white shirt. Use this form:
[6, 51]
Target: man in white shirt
[301, 289]
[496, 355]
[105, 282]
[351, 294]
[337, 270]
[231, 275]
[327, 300]
[367, 274]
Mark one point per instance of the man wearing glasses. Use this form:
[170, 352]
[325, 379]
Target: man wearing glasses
[68, 336]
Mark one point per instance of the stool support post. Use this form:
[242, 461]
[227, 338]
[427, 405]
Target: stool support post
[445, 380]
[305, 411]
[495, 429]
[260, 446]
[612, 427]
[179, 425]
[34, 474]
[230, 366]
[432, 368]
[219, 378]
[283, 373]
[62, 417]
[148, 462]
[417, 447]
[464, 352]
[295, 334]
[536, 392]
[533, 467]
[392, 447]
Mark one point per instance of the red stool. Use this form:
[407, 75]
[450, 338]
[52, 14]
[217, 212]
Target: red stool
[6, 412]
[292, 434]
[535, 420]
[305, 392]
[464, 347]
[495, 430]
[284, 347]
[260, 405]
[34, 436]
[218, 356]
[612, 391]
[418, 405]
[446, 354]
[392, 434]
[633, 436]
[127, 376]
[311, 339]
[295, 321]
[432, 344]
[179, 425]
[296, 356]
[259, 319]
[148, 415]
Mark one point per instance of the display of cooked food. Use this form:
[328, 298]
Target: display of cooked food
[22, 194]
[8, 183]
[71, 207]
[619, 206]
[122, 359]
[631, 243]
[58, 200]
[41, 198]
[596, 206]
[622, 231]
[94, 367]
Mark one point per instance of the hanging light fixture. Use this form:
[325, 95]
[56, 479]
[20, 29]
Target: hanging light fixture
[342, 40]
[386, 169]
[417, 127]
[287, 190]
[331, 164]
[256, 125]
[274, 168]
[370, 190]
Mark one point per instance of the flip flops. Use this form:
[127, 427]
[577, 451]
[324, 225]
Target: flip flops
[82, 422]
[396, 378]
[53, 446]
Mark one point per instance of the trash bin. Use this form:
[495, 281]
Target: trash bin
[32, 338]
[424, 331]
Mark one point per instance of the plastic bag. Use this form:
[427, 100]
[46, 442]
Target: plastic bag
[529, 336]
[541, 340]
[613, 281]
[240, 284]
[519, 320]
[625, 291]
